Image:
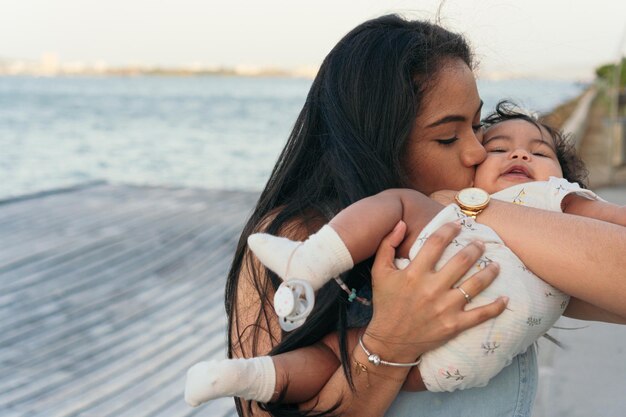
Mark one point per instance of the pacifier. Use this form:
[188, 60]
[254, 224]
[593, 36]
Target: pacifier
[293, 302]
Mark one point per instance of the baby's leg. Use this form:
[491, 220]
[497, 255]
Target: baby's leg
[351, 237]
[364, 224]
[297, 375]
[301, 374]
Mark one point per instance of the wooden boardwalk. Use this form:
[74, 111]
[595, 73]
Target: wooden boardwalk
[108, 294]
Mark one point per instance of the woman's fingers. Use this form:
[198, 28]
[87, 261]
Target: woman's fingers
[433, 248]
[386, 252]
[481, 314]
[477, 283]
[426, 295]
[460, 263]
[471, 288]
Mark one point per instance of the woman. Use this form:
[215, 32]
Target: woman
[395, 104]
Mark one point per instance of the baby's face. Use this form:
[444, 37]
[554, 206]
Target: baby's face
[517, 152]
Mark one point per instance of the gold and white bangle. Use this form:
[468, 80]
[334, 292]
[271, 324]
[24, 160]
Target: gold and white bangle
[375, 359]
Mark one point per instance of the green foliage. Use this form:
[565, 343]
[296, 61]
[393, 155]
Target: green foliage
[608, 71]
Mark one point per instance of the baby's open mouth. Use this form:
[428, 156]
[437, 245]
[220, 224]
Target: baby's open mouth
[517, 172]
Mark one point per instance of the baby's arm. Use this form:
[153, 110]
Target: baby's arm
[596, 209]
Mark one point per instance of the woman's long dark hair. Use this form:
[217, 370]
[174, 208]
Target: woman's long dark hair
[346, 144]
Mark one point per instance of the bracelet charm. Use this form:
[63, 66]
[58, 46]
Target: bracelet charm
[375, 359]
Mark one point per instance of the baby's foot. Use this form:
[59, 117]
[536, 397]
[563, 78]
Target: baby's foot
[317, 260]
[251, 379]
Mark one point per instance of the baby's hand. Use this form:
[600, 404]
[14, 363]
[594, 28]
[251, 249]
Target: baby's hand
[444, 197]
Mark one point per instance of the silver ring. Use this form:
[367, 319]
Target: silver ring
[468, 298]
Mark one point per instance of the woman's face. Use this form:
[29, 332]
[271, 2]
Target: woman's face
[445, 144]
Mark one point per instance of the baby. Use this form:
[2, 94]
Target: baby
[525, 163]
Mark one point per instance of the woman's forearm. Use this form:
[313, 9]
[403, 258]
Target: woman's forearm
[582, 257]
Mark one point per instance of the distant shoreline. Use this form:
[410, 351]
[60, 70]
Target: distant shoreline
[159, 74]
[7, 70]
[62, 71]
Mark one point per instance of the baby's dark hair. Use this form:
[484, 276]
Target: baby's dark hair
[574, 169]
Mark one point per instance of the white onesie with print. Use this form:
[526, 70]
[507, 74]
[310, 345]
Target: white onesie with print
[475, 356]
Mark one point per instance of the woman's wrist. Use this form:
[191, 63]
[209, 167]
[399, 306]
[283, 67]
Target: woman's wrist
[491, 210]
[389, 347]
[391, 377]
[376, 360]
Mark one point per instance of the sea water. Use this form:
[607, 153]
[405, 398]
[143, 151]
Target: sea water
[210, 132]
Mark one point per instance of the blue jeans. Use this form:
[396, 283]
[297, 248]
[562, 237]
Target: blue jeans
[509, 394]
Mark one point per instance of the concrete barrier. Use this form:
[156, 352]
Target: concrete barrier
[576, 124]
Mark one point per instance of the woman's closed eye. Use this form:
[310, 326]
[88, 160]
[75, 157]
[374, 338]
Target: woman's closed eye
[447, 142]
[477, 127]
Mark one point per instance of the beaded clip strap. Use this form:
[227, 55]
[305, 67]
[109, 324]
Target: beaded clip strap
[352, 293]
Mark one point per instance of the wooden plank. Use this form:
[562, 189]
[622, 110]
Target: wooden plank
[159, 300]
[75, 222]
[85, 312]
[109, 293]
[124, 261]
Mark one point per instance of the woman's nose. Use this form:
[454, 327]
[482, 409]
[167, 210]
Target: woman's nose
[474, 155]
[520, 154]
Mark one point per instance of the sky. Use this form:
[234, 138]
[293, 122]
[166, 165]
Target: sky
[531, 38]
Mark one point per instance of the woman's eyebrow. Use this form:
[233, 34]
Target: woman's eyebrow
[454, 118]
[448, 119]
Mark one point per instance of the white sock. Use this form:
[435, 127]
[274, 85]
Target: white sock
[251, 379]
[318, 259]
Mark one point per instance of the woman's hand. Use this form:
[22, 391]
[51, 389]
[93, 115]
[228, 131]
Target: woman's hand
[416, 309]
